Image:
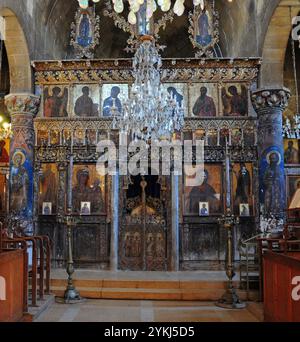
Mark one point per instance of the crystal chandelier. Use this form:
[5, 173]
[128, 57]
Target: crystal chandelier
[150, 111]
[151, 6]
[291, 130]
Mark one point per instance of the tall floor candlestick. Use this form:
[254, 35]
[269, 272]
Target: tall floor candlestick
[71, 295]
[228, 180]
[230, 299]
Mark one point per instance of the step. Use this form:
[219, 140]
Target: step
[191, 293]
[143, 284]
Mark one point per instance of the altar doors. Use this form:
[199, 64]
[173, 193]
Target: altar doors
[145, 223]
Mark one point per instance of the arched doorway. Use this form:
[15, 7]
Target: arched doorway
[275, 44]
[17, 53]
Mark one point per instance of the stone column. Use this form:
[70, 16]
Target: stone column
[22, 109]
[269, 105]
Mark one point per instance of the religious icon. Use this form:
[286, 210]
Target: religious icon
[42, 138]
[85, 208]
[56, 101]
[127, 245]
[85, 32]
[242, 184]
[178, 92]
[293, 185]
[203, 100]
[88, 186]
[54, 137]
[102, 135]
[136, 245]
[204, 32]
[86, 100]
[236, 137]
[291, 151]
[4, 151]
[91, 137]
[188, 135]
[204, 29]
[224, 136]
[159, 245]
[176, 136]
[273, 182]
[79, 137]
[208, 192]
[47, 208]
[212, 137]
[150, 245]
[48, 186]
[203, 209]
[249, 137]
[19, 182]
[67, 137]
[235, 100]
[244, 210]
[111, 96]
[199, 134]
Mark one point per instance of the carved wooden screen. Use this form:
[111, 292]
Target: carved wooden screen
[76, 113]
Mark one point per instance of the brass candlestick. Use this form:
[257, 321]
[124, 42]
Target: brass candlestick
[71, 295]
[230, 299]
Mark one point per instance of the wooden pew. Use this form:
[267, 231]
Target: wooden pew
[13, 271]
[279, 272]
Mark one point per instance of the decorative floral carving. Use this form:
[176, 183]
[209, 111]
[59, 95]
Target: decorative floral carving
[267, 98]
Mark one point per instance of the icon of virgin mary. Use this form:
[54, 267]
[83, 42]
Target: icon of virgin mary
[203, 37]
[84, 38]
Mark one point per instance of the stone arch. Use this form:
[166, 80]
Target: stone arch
[17, 53]
[275, 43]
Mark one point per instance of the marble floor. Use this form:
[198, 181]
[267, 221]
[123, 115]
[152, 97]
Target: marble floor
[95, 310]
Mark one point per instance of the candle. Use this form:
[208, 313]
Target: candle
[70, 183]
[72, 141]
[228, 182]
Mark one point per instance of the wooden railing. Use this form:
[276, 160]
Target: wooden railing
[280, 302]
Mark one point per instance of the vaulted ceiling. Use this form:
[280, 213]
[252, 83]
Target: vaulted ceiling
[46, 23]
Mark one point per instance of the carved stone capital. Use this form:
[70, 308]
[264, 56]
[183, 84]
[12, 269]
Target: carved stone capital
[22, 104]
[263, 99]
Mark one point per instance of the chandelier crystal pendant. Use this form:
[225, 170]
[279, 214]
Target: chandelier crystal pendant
[291, 128]
[151, 5]
[150, 112]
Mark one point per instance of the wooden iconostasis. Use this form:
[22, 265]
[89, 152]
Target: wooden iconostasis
[79, 100]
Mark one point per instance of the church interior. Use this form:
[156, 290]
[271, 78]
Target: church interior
[109, 112]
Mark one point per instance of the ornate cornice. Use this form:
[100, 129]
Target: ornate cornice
[22, 104]
[263, 99]
[106, 123]
[120, 70]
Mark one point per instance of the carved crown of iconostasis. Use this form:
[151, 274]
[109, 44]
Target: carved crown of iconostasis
[77, 97]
